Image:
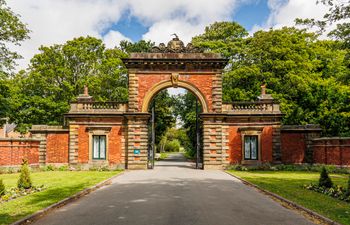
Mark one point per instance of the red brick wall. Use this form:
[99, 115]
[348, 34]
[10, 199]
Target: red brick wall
[115, 145]
[266, 144]
[202, 82]
[334, 151]
[57, 145]
[293, 146]
[83, 145]
[13, 151]
[114, 141]
[235, 145]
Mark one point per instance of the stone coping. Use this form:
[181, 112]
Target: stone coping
[162, 56]
[301, 128]
[331, 138]
[21, 139]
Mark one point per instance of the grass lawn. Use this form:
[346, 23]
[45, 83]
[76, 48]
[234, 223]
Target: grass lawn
[59, 185]
[290, 186]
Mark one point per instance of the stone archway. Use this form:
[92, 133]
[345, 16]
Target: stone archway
[166, 84]
[174, 66]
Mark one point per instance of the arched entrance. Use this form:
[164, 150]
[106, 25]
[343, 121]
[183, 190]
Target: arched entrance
[174, 66]
[169, 128]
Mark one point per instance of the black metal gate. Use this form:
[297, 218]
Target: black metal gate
[151, 141]
[199, 155]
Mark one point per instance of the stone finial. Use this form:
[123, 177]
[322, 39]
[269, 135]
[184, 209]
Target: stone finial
[263, 89]
[86, 90]
[263, 96]
[85, 97]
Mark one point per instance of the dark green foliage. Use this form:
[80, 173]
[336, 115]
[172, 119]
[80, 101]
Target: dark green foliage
[185, 110]
[310, 77]
[164, 118]
[24, 180]
[2, 188]
[140, 46]
[57, 75]
[325, 180]
[13, 31]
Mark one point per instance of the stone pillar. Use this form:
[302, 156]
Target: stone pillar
[133, 93]
[42, 136]
[217, 93]
[73, 144]
[213, 153]
[276, 144]
[137, 140]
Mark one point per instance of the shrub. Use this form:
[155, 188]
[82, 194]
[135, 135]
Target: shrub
[2, 188]
[24, 180]
[63, 168]
[172, 146]
[325, 180]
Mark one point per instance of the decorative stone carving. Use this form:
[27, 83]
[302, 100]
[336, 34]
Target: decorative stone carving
[175, 79]
[176, 46]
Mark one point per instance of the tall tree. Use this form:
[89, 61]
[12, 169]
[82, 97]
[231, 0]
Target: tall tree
[12, 31]
[57, 75]
[185, 110]
[305, 74]
[140, 46]
[164, 118]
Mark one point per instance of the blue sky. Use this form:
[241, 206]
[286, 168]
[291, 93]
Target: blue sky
[247, 14]
[55, 22]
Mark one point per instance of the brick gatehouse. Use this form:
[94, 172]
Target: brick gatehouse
[116, 134]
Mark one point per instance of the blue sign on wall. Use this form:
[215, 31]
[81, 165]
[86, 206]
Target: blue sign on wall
[137, 151]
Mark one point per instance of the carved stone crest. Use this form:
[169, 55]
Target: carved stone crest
[174, 79]
[176, 46]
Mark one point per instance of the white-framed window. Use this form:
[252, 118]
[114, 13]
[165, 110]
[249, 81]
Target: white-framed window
[251, 147]
[98, 146]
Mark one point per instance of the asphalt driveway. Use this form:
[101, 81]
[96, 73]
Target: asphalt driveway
[176, 194]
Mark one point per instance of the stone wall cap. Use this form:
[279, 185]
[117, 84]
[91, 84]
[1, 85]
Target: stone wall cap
[162, 56]
[21, 139]
[331, 138]
[307, 128]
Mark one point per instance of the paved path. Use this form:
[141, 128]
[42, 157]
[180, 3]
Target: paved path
[174, 194]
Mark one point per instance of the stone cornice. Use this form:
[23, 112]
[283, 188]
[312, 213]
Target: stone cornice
[175, 61]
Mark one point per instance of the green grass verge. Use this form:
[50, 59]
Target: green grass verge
[59, 185]
[290, 186]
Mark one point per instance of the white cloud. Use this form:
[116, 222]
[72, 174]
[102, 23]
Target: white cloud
[284, 13]
[113, 38]
[185, 18]
[54, 22]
